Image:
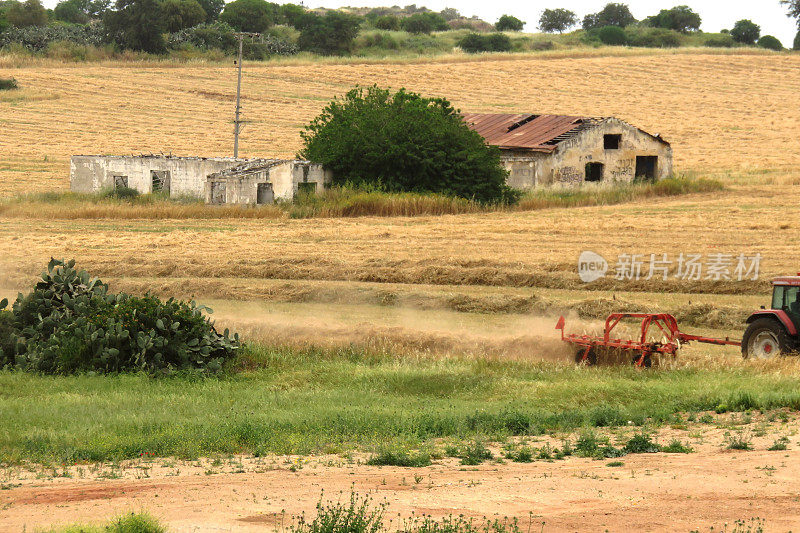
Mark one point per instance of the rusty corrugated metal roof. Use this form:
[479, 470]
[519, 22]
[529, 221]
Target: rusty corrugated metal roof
[524, 131]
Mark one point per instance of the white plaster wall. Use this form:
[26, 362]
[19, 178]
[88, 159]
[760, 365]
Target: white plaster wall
[187, 175]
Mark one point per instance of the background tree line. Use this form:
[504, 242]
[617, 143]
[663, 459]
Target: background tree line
[155, 26]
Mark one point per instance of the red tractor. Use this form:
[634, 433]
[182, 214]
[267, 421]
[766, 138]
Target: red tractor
[772, 332]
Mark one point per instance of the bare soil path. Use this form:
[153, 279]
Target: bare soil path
[649, 492]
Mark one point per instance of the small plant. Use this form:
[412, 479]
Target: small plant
[676, 446]
[7, 84]
[615, 463]
[589, 445]
[390, 457]
[641, 443]
[522, 455]
[123, 193]
[738, 441]
[358, 515]
[707, 418]
[780, 444]
[545, 452]
[475, 453]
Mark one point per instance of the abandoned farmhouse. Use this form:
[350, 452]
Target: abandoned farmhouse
[536, 150]
[541, 150]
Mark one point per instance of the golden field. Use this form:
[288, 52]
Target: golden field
[729, 116]
[721, 111]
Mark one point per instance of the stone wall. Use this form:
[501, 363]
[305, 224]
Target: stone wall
[186, 175]
[279, 180]
[567, 165]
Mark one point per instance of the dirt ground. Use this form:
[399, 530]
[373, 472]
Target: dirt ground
[709, 488]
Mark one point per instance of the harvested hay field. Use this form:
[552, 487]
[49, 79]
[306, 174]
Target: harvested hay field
[721, 111]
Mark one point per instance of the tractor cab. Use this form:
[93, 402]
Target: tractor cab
[774, 331]
[786, 297]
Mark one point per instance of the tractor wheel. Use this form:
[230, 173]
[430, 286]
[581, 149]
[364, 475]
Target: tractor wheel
[591, 357]
[765, 338]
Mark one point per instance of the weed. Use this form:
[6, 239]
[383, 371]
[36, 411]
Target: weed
[358, 515]
[707, 418]
[475, 453]
[676, 446]
[739, 440]
[522, 455]
[780, 444]
[641, 443]
[615, 463]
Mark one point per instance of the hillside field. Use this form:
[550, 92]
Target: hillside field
[410, 332]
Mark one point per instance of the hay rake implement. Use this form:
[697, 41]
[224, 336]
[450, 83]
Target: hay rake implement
[642, 349]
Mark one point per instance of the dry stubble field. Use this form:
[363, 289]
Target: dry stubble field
[728, 116]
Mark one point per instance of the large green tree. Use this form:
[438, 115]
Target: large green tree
[136, 25]
[746, 31]
[401, 141]
[509, 23]
[678, 18]
[612, 14]
[182, 14]
[28, 13]
[212, 8]
[557, 20]
[331, 34]
[250, 15]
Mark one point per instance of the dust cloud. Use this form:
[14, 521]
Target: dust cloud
[432, 332]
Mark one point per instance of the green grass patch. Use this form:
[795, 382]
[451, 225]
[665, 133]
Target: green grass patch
[400, 457]
[129, 523]
[333, 400]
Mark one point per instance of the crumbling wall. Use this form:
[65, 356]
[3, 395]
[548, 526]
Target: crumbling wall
[567, 165]
[285, 177]
[187, 175]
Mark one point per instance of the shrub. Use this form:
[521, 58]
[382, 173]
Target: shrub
[770, 42]
[424, 23]
[676, 446]
[509, 23]
[403, 142]
[641, 443]
[387, 22]
[332, 34]
[612, 35]
[796, 44]
[745, 32]
[653, 38]
[723, 41]
[6, 84]
[71, 323]
[475, 453]
[122, 193]
[474, 43]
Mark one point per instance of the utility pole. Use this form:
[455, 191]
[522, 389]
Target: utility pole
[237, 123]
